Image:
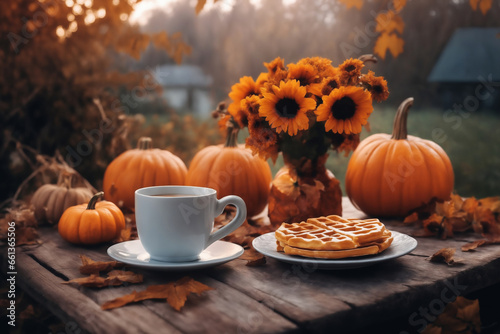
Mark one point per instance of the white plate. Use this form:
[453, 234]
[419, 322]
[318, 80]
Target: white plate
[401, 245]
[131, 252]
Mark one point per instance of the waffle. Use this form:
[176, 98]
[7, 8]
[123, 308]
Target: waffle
[333, 237]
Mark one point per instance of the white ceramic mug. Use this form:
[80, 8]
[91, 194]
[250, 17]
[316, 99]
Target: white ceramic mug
[178, 229]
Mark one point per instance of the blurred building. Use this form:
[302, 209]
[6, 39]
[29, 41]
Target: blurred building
[186, 88]
[468, 69]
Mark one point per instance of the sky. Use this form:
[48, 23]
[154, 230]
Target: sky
[144, 9]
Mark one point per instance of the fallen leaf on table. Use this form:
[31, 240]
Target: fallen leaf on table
[175, 293]
[90, 266]
[253, 258]
[478, 243]
[445, 255]
[460, 316]
[114, 278]
[26, 236]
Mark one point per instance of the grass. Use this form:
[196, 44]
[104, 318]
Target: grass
[472, 143]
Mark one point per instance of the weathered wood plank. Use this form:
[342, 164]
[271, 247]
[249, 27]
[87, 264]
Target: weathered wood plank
[224, 309]
[76, 309]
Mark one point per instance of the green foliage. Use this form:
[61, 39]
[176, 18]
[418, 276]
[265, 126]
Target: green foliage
[472, 147]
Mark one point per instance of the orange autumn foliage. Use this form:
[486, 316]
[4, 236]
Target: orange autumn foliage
[175, 293]
[444, 219]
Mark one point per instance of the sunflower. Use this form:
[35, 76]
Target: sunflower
[262, 140]
[323, 66]
[325, 87]
[286, 107]
[246, 87]
[377, 86]
[274, 65]
[250, 105]
[350, 70]
[305, 74]
[345, 109]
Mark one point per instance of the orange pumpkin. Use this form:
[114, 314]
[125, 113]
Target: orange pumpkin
[388, 176]
[138, 168]
[50, 200]
[91, 223]
[232, 170]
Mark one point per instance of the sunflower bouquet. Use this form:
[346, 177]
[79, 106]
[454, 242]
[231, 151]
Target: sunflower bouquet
[303, 110]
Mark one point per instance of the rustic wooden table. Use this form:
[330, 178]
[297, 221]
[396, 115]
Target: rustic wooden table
[276, 297]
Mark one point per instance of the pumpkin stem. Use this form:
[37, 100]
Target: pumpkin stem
[94, 199]
[399, 129]
[368, 58]
[145, 143]
[231, 136]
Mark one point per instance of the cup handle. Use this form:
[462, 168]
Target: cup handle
[241, 215]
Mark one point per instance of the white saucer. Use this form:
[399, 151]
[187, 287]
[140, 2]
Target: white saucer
[131, 252]
[401, 245]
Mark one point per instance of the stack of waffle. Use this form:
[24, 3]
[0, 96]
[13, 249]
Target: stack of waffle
[333, 237]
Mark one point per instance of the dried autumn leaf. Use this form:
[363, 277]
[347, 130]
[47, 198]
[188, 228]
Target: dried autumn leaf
[412, 218]
[199, 6]
[472, 245]
[114, 278]
[125, 235]
[445, 255]
[460, 316]
[478, 243]
[26, 236]
[358, 4]
[90, 266]
[388, 42]
[398, 5]
[253, 258]
[175, 293]
[484, 5]
[388, 22]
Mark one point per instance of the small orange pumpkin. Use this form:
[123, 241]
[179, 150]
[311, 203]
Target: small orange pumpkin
[50, 200]
[232, 170]
[388, 176]
[91, 223]
[138, 168]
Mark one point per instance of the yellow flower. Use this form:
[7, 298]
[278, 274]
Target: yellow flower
[345, 110]
[246, 87]
[325, 87]
[286, 106]
[275, 65]
[350, 70]
[377, 86]
[305, 74]
[262, 139]
[322, 66]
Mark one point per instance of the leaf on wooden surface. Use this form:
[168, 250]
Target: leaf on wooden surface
[388, 42]
[398, 5]
[358, 4]
[125, 235]
[90, 266]
[253, 258]
[26, 236]
[478, 243]
[199, 6]
[175, 293]
[445, 255]
[460, 316]
[114, 278]
[457, 214]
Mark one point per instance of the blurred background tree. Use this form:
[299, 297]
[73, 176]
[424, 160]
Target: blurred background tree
[77, 77]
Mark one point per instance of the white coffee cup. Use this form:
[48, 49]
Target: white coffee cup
[178, 228]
